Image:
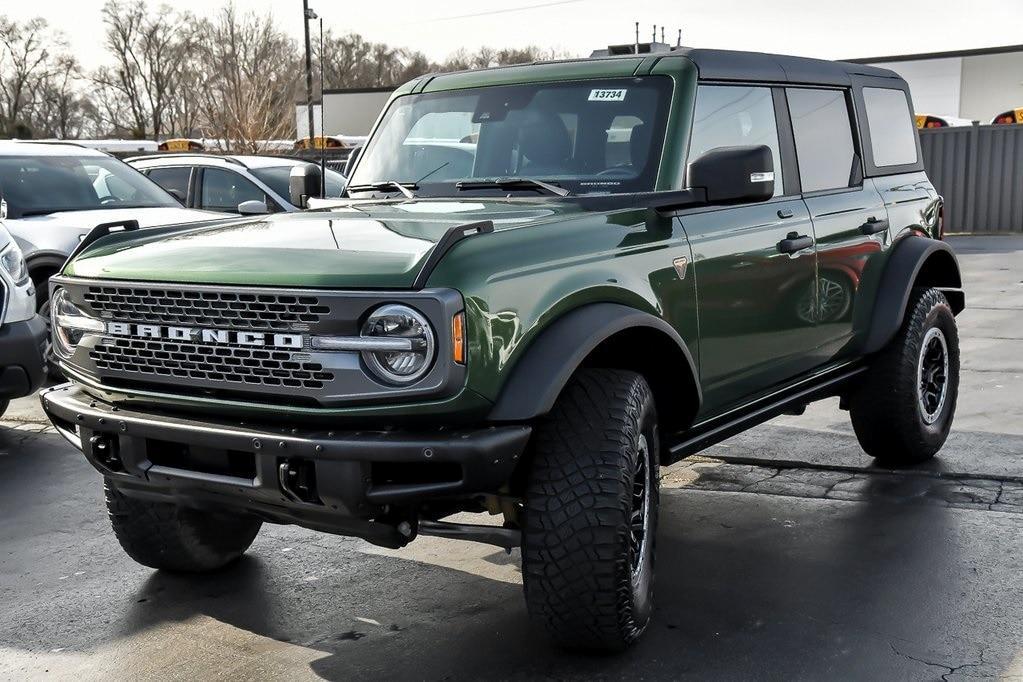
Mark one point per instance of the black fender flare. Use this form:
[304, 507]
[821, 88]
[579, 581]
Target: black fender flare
[537, 378]
[914, 261]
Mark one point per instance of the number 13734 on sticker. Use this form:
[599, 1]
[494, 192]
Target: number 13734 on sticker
[607, 95]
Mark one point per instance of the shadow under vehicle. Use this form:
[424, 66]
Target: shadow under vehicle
[529, 299]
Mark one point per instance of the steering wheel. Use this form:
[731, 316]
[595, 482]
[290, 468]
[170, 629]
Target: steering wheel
[622, 171]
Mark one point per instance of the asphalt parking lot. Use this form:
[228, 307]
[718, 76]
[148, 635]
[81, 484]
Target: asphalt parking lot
[782, 554]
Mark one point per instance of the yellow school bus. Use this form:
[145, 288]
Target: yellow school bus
[926, 121]
[181, 144]
[1009, 117]
[321, 142]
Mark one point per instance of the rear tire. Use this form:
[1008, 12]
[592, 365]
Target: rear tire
[591, 512]
[902, 411]
[4, 404]
[174, 538]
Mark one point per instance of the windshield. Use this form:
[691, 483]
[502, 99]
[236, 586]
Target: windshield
[37, 185]
[278, 177]
[585, 136]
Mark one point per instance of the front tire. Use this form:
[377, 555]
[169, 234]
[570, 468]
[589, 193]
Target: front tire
[591, 512]
[174, 538]
[53, 372]
[902, 412]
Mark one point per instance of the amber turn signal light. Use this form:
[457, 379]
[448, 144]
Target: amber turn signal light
[458, 338]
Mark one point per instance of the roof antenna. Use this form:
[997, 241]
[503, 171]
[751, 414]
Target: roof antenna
[662, 34]
[679, 43]
[637, 39]
[654, 38]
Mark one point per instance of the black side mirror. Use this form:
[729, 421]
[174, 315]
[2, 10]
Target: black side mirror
[303, 184]
[734, 175]
[177, 194]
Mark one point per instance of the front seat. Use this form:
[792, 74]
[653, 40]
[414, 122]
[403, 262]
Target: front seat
[544, 144]
[639, 146]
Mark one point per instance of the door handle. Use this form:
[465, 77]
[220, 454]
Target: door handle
[784, 213]
[795, 242]
[873, 226]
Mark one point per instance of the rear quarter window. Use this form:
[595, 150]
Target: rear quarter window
[892, 133]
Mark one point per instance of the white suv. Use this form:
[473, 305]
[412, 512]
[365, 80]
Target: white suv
[57, 192]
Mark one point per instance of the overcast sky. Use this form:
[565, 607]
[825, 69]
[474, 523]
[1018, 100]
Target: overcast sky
[831, 29]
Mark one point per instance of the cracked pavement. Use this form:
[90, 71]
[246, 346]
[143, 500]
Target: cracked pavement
[783, 553]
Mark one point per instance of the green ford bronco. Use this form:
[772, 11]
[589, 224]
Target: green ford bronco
[544, 283]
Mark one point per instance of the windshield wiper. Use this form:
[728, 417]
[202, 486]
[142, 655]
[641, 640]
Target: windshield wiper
[403, 187]
[513, 183]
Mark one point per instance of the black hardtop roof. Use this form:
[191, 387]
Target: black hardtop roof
[762, 66]
[717, 65]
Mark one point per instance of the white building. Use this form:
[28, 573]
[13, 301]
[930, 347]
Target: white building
[973, 84]
[346, 111]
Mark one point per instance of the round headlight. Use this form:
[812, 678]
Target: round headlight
[410, 363]
[13, 263]
[69, 324]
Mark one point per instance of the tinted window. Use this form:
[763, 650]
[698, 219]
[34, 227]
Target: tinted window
[223, 190]
[172, 179]
[824, 143]
[728, 116]
[892, 134]
[38, 185]
[592, 136]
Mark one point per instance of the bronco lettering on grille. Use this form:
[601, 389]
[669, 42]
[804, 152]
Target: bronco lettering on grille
[201, 335]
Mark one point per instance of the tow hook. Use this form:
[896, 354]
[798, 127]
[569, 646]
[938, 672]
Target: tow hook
[297, 478]
[105, 449]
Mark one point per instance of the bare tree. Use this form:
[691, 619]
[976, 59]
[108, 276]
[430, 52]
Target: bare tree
[486, 57]
[60, 109]
[350, 61]
[24, 61]
[149, 49]
[249, 87]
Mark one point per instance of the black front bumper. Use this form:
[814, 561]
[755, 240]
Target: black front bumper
[22, 365]
[342, 482]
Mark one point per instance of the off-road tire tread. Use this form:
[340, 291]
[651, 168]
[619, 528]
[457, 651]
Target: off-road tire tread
[173, 538]
[885, 420]
[576, 578]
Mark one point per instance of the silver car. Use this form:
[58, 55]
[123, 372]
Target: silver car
[231, 184]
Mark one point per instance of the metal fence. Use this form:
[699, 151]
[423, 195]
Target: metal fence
[979, 171]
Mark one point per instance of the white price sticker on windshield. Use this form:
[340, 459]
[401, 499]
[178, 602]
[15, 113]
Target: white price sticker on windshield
[607, 95]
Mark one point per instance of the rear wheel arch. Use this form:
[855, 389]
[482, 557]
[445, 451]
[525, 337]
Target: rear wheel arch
[608, 335]
[940, 270]
[914, 262]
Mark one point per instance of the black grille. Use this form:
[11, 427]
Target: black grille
[231, 310]
[232, 364]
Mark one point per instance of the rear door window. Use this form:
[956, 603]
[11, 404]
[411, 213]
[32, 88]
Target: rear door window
[172, 178]
[824, 143]
[892, 133]
[730, 116]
